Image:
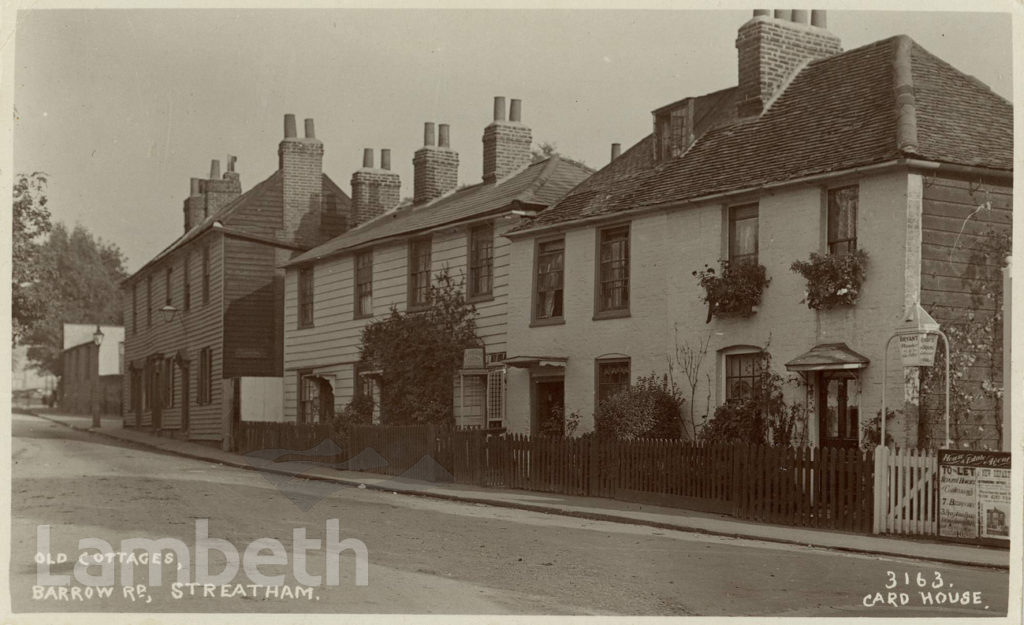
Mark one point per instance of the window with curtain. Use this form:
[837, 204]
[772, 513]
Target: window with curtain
[550, 276]
[481, 260]
[364, 284]
[613, 377]
[305, 297]
[419, 273]
[742, 373]
[842, 220]
[743, 233]
[613, 271]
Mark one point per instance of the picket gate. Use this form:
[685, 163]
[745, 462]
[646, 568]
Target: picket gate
[906, 491]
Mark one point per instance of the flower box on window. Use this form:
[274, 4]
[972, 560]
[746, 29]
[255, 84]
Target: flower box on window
[833, 279]
[735, 289]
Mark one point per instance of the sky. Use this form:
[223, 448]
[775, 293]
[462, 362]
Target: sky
[121, 107]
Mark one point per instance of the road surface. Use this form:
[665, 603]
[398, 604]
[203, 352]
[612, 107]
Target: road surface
[425, 555]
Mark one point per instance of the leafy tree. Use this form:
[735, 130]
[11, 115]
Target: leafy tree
[78, 278]
[418, 354]
[31, 221]
[649, 408]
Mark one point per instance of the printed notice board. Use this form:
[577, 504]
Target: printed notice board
[974, 495]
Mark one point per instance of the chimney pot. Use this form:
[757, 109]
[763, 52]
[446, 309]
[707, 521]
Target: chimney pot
[762, 12]
[799, 16]
[818, 19]
[193, 187]
[428, 133]
[515, 112]
[442, 138]
[289, 126]
[368, 158]
[385, 158]
[231, 162]
[214, 169]
[783, 14]
[310, 132]
[499, 108]
[616, 150]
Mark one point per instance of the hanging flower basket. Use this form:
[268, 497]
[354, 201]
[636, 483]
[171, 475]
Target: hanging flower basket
[833, 279]
[734, 290]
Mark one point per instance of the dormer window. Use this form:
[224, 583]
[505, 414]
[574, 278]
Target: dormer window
[673, 129]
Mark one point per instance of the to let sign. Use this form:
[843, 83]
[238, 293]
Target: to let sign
[974, 495]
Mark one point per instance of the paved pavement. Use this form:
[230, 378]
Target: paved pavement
[581, 507]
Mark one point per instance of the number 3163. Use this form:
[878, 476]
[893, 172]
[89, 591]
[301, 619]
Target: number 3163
[920, 580]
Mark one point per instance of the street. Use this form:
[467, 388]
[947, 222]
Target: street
[425, 555]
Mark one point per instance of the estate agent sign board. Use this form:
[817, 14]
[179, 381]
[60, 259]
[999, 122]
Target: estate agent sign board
[974, 495]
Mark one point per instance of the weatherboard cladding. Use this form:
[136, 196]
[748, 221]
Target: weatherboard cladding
[540, 183]
[838, 113]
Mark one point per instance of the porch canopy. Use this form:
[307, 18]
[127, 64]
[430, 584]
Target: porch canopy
[526, 362]
[828, 357]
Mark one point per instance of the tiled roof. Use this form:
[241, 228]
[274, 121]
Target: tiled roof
[541, 183]
[837, 113]
[268, 194]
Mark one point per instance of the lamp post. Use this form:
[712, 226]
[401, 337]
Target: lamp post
[97, 339]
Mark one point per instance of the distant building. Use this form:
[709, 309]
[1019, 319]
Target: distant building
[90, 373]
[203, 317]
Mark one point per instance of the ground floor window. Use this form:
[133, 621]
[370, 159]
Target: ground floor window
[204, 377]
[742, 373]
[496, 398]
[168, 383]
[613, 377]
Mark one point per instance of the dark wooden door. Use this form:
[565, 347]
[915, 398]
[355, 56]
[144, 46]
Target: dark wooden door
[838, 414]
[550, 407]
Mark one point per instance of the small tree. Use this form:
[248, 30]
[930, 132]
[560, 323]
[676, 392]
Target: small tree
[650, 408]
[31, 221]
[418, 354]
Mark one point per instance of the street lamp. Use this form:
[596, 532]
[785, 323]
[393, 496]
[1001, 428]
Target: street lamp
[97, 339]
[168, 312]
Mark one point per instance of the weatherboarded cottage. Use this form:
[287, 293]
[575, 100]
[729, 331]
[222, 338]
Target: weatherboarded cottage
[203, 319]
[395, 251]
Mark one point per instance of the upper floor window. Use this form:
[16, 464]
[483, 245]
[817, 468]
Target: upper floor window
[186, 280]
[305, 297]
[842, 220]
[419, 272]
[149, 301]
[167, 285]
[481, 260]
[550, 279]
[613, 377]
[206, 274]
[743, 233]
[364, 284]
[742, 373]
[613, 270]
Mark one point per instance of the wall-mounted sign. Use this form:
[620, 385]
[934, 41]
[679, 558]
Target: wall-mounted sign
[974, 494]
[918, 350]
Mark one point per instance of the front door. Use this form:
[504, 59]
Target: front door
[549, 407]
[838, 412]
[156, 401]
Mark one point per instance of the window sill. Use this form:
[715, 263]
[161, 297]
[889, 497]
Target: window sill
[611, 314]
[416, 307]
[476, 299]
[305, 326]
[361, 317]
[553, 321]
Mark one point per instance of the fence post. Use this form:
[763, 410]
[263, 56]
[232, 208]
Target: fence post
[881, 488]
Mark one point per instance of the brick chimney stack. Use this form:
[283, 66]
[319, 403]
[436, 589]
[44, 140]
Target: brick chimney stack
[300, 161]
[506, 143]
[374, 191]
[207, 195]
[771, 48]
[436, 168]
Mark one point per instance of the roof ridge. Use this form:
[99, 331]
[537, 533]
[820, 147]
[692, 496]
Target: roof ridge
[903, 87]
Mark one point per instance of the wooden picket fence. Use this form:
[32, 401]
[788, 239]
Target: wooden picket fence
[810, 487]
[906, 492]
[290, 442]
